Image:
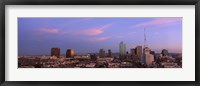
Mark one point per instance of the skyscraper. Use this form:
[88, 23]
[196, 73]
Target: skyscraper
[154, 55]
[70, 53]
[138, 51]
[102, 53]
[133, 53]
[55, 52]
[148, 58]
[109, 53]
[122, 49]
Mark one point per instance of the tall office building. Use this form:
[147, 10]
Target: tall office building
[55, 52]
[102, 53]
[122, 49]
[154, 55]
[146, 50]
[109, 53]
[148, 58]
[133, 53]
[138, 51]
[70, 53]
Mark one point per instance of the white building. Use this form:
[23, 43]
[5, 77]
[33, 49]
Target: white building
[122, 49]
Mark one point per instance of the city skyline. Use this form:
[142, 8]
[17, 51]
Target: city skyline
[36, 36]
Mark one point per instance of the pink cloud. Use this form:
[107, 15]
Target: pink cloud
[97, 39]
[94, 31]
[158, 21]
[89, 31]
[47, 30]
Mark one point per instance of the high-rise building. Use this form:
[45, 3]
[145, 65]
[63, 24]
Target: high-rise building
[148, 58]
[109, 53]
[138, 51]
[122, 49]
[154, 55]
[70, 53]
[146, 50]
[133, 53]
[102, 53]
[55, 52]
[165, 52]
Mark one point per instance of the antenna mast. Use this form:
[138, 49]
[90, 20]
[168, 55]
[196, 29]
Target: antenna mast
[145, 41]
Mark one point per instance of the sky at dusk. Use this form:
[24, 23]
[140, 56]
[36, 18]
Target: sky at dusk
[36, 36]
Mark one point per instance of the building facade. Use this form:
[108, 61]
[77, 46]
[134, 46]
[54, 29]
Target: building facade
[122, 49]
[132, 52]
[70, 53]
[138, 51]
[109, 53]
[55, 52]
[102, 53]
[148, 58]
